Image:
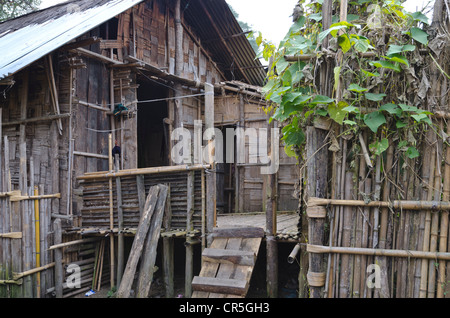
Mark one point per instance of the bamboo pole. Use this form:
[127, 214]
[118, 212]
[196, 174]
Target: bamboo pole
[37, 241]
[111, 214]
[143, 171]
[378, 252]
[346, 260]
[434, 225]
[426, 235]
[395, 204]
[441, 287]
[71, 243]
[384, 291]
[120, 238]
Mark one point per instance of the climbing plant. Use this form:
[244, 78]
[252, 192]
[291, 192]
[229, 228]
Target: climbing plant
[374, 53]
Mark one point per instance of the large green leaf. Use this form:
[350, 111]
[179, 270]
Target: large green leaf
[398, 58]
[395, 49]
[374, 120]
[378, 147]
[344, 43]
[412, 153]
[419, 35]
[419, 16]
[375, 97]
[357, 88]
[392, 109]
[333, 30]
[338, 112]
[386, 64]
[320, 99]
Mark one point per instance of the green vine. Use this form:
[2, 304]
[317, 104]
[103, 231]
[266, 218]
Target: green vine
[375, 53]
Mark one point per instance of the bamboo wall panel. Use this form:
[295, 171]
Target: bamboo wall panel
[95, 210]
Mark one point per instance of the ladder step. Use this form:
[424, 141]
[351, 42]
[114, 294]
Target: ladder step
[222, 256]
[220, 285]
[241, 232]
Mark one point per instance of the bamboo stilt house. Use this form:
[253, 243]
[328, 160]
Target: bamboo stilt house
[82, 77]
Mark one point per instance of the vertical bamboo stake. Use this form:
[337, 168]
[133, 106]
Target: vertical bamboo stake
[359, 224]
[434, 225]
[426, 235]
[426, 170]
[382, 261]
[365, 241]
[38, 241]
[344, 289]
[111, 215]
[441, 287]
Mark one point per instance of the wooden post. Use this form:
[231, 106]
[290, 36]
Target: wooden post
[317, 171]
[317, 174]
[58, 259]
[120, 239]
[168, 250]
[271, 225]
[189, 270]
[210, 175]
[240, 146]
[111, 215]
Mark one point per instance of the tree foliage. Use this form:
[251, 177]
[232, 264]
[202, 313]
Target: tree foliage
[14, 8]
[375, 55]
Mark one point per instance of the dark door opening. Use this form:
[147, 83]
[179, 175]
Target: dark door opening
[153, 139]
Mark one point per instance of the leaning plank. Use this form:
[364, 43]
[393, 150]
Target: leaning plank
[242, 232]
[149, 256]
[138, 244]
[220, 285]
[237, 257]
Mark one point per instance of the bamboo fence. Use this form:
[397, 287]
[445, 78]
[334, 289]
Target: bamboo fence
[387, 216]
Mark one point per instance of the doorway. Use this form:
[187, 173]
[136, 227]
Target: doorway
[153, 138]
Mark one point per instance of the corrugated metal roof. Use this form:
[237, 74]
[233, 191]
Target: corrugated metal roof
[22, 39]
[26, 39]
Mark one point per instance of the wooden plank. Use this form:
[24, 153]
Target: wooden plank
[229, 256]
[149, 256]
[210, 269]
[220, 285]
[226, 270]
[138, 244]
[242, 232]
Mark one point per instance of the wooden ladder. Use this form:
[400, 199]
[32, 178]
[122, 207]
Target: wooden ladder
[228, 263]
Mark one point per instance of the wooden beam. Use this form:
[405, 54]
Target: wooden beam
[239, 232]
[220, 285]
[71, 243]
[143, 171]
[36, 119]
[214, 255]
[224, 42]
[96, 56]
